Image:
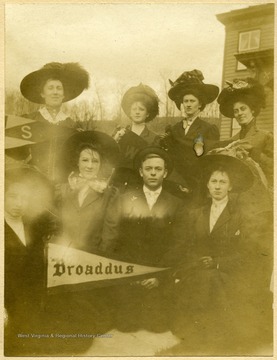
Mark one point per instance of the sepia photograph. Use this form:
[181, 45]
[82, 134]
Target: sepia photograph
[139, 179]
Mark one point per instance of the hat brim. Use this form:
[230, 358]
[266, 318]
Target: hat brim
[105, 144]
[226, 102]
[141, 89]
[208, 92]
[153, 150]
[227, 99]
[240, 172]
[31, 85]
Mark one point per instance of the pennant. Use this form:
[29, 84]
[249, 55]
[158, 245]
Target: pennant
[11, 143]
[67, 267]
[12, 121]
[25, 131]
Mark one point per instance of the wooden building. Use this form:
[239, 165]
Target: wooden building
[249, 52]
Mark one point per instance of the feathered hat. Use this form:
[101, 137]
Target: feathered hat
[142, 93]
[73, 77]
[246, 90]
[191, 82]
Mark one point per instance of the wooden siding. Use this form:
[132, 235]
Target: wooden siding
[232, 30]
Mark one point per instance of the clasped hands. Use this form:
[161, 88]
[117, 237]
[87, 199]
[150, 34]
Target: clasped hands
[147, 283]
[207, 262]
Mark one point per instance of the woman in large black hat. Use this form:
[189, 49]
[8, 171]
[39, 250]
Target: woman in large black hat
[227, 276]
[51, 86]
[243, 100]
[88, 206]
[141, 104]
[89, 211]
[191, 137]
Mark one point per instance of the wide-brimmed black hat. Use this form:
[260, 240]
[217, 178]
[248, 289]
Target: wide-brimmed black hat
[73, 77]
[138, 93]
[240, 173]
[155, 150]
[104, 144]
[244, 90]
[191, 82]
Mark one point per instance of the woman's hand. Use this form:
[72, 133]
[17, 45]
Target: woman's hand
[207, 262]
[120, 132]
[150, 283]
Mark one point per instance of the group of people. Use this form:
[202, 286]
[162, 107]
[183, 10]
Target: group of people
[182, 200]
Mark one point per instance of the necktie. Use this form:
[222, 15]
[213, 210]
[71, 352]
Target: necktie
[186, 125]
[151, 198]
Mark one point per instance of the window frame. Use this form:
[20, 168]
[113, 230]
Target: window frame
[249, 32]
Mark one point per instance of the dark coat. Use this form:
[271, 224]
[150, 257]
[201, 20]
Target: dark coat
[180, 145]
[93, 225]
[24, 267]
[236, 242]
[235, 290]
[223, 243]
[259, 144]
[131, 143]
[150, 237]
[45, 154]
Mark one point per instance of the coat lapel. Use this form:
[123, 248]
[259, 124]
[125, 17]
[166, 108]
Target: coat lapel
[162, 201]
[205, 221]
[145, 132]
[194, 127]
[139, 203]
[90, 198]
[223, 218]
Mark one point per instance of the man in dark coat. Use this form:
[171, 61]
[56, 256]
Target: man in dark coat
[152, 223]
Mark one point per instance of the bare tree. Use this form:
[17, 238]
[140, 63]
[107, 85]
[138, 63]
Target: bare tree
[16, 104]
[100, 100]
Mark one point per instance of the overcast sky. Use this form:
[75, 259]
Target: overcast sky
[117, 43]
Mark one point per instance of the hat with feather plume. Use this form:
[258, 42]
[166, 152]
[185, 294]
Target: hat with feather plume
[191, 82]
[74, 77]
[246, 90]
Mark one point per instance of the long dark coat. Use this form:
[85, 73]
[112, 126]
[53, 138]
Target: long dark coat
[150, 236]
[180, 145]
[92, 226]
[24, 285]
[233, 296]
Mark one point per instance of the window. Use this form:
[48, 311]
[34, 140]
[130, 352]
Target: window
[241, 66]
[249, 40]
